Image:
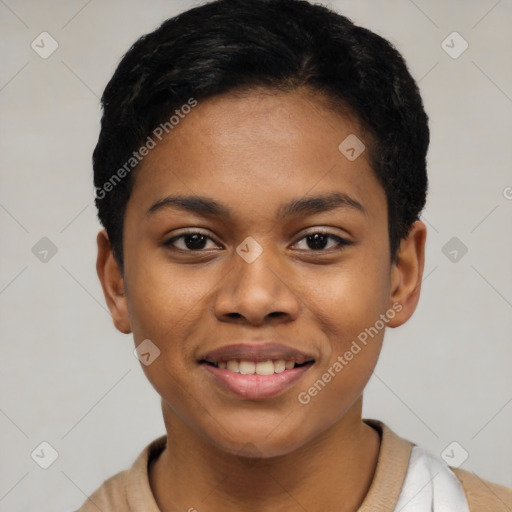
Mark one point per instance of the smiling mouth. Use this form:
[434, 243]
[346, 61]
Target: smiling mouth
[259, 379]
[267, 367]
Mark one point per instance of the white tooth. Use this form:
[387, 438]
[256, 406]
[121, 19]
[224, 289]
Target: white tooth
[233, 366]
[265, 368]
[247, 367]
[279, 365]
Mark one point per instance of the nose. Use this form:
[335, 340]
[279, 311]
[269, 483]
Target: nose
[262, 291]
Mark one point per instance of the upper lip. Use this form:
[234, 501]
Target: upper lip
[256, 352]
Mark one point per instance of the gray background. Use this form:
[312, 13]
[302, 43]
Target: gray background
[70, 379]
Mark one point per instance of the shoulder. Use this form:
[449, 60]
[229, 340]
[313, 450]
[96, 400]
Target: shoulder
[129, 489]
[110, 496]
[415, 469]
[482, 495]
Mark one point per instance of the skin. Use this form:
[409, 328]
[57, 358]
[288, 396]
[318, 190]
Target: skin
[253, 152]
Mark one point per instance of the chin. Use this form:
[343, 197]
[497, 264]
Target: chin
[252, 441]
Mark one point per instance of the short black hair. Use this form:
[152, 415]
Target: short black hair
[230, 45]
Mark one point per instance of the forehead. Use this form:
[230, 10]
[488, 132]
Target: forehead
[256, 149]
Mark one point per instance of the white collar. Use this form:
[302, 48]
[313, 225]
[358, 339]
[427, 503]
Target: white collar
[430, 486]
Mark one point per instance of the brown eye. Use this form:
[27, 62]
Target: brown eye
[190, 242]
[319, 240]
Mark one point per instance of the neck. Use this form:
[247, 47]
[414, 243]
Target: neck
[332, 472]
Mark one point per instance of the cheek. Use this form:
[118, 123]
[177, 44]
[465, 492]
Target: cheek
[167, 306]
[164, 297]
[347, 314]
[347, 305]
[345, 300]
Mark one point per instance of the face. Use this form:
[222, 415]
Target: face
[276, 250]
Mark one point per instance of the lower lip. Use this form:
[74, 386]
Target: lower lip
[257, 387]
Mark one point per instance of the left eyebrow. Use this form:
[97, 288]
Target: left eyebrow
[318, 204]
[308, 205]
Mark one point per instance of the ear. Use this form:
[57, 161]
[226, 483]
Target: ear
[407, 274]
[112, 282]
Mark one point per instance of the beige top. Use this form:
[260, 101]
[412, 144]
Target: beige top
[129, 490]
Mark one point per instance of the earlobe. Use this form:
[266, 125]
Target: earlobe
[112, 283]
[407, 274]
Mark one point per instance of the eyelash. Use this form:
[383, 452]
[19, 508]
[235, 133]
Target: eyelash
[341, 242]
